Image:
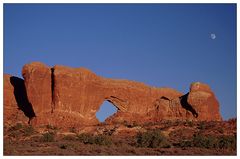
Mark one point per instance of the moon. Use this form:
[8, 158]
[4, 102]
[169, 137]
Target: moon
[213, 36]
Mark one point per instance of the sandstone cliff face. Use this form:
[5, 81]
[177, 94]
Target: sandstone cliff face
[37, 78]
[87, 92]
[203, 100]
[16, 105]
[71, 96]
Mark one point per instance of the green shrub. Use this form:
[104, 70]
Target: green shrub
[102, 140]
[98, 139]
[227, 142]
[86, 138]
[189, 123]
[176, 122]
[152, 139]
[202, 125]
[14, 130]
[14, 134]
[186, 143]
[222, 142]
[69, 137]
[205, 141]
[169, 122]
[28, 130]
[209, 142]
[19, 130]
[48, 137]
[18, 126]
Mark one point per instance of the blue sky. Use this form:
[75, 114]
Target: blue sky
[163, 45]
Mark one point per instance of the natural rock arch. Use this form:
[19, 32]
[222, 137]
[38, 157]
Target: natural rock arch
[120, 104]
[106, 110]
[72, 96]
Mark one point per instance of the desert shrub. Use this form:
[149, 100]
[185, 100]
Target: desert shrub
[220, 130]
[177, 122]
[198, 141]
[69, 137]
[189, 123]
[21, 130]
[14, 134]
[148, 124]
[232, 120]
[28, 130]
[152, 139]
[51, 127]
[109, 132]
[102, 140]
[73, 129]
[125, 123]
[18, 126]
[98, 139]
[222, 142]
[63, 146]
[168, 123]
[186, 143]
[227, 142]
[85, 138]
[132, 124]
[205, 141]
[14, 130]
[202, 125]
[48, 137]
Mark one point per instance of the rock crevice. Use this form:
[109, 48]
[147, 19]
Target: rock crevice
[52, 89]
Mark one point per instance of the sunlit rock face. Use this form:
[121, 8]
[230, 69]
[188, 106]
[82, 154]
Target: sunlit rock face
[71, 97]
[37, 78]
[203, 100]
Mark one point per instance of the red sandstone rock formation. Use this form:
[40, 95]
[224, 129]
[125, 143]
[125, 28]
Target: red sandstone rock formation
[37, 78]
[71, 96]
[203, 100]
[15, 101]
[78, 90]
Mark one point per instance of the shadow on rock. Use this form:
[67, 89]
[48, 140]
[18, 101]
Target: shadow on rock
[21, 97]
[184, 103]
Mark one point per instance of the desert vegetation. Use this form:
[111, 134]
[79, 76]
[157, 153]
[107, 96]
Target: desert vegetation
[162, 138]
[152, 139]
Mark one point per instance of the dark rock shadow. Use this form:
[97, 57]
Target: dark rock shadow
[21, 97]
[187, 106]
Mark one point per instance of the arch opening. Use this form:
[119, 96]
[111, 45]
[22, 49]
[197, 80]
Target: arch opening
[106, 110]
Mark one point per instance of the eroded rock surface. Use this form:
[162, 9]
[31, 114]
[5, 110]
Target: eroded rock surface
[16, 105]
[71, 96]
[37, 78]
[78, 90]
[203, 100]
